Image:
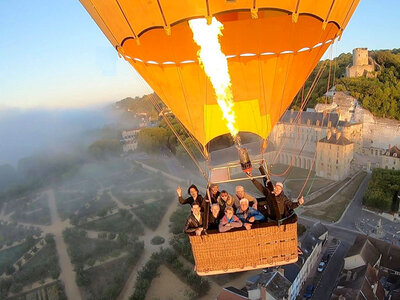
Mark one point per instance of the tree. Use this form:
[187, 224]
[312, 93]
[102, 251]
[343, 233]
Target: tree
[107, 147]
[152, 140]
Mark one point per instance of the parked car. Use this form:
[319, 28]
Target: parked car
[326, 258]
[309, 291]
[321, 266]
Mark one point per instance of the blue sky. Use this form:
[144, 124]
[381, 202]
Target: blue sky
[53, 55]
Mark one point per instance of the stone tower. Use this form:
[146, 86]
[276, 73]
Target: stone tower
[360, 57]
[360, 65]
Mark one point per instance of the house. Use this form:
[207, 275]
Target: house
[334, 154]
[371, 271]
[362, 252]
[270, 284]
[232, 293]
[391, 158]
[360, 283]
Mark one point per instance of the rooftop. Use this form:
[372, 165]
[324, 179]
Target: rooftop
[390, 254]
[311, 118]
[336, 139]
[291, 271]
[362, 246]
[232, 293]
[364, 281]
[393, 151]
[312, 237]
[278, 286]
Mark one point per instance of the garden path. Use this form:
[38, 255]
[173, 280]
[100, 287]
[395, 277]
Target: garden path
[163, 231]
[67, 274]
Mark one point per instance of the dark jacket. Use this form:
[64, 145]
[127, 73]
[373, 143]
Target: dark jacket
[213, 222]
[214, 198]
[286, 206]
[274, 205]
[192, 224]
[267, 206]
[190, 201]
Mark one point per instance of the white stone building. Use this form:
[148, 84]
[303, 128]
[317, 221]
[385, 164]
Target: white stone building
[129, 139]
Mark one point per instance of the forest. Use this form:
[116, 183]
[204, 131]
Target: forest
[380, 93]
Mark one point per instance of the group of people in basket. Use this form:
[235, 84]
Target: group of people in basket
[219, 210]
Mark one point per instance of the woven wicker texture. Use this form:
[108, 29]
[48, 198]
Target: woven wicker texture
[245, 249]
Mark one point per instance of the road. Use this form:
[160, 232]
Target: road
[162, 230]
[355, 207]
[328, 278]
[343, 230]
[67, 274]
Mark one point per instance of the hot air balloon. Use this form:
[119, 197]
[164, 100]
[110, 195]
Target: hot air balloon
[271, 48]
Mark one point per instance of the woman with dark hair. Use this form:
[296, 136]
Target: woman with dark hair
[193, 191]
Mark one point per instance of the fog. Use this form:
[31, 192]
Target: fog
[27, 132]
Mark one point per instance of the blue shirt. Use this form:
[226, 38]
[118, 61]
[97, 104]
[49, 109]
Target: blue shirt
[251, 212]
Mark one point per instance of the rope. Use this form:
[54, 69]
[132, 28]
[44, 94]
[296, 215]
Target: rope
[308, 176]
[159, 109]
[318, 76]
[297, 154]
[312, 183]
[179, 139]
[298, 116]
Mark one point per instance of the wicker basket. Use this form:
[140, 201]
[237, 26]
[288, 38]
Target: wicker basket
[265, 245]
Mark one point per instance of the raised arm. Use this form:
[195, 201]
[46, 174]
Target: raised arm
[293, 205]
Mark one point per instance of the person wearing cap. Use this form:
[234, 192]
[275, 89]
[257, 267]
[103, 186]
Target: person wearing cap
[276, 203]
[248, 215]
[285, 206]
[229, 221]
[194, 223]
[214, 193]
[240, 194]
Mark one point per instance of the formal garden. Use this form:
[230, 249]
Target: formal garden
[11, 232]
[107, 280]
[152, 213]
[69, 202]
[34, 210]
[121, 222]
[199, 285]
[85, 251]
[41, 265]
[52, 291]
[9, 256]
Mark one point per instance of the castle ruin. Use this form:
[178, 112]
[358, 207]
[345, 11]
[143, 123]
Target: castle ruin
[362, 64]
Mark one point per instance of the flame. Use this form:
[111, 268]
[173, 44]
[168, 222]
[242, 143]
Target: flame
[215, 66]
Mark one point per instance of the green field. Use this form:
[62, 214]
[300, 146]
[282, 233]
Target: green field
[335, 208]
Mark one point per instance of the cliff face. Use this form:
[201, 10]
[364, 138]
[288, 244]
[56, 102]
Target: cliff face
[376, 132]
